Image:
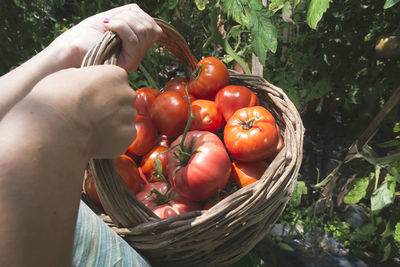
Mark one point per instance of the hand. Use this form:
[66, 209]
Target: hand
[90, 108]
[137, 30]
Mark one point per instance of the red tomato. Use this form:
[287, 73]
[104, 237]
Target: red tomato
[212, 76]
[147, 164]
[125, 167]
[150, 199]
[251, 134]
[146, 138]
[164, 201]
[144, 99]
[176, 84]
[90, 188]
[245, 173]
[170, 112]
[234, 97]
[175, 206]
[128, 170]
[206, 116]
[202, 170]
[179, 84]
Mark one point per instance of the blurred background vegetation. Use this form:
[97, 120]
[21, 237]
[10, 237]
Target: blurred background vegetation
[321, 53]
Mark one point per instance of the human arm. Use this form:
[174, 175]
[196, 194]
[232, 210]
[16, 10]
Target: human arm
[136, 29]
[46, 141]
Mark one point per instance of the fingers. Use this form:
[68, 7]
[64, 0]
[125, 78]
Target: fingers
[138, 32]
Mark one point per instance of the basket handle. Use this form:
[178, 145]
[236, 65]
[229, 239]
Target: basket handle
[118, 201]
[106, 51]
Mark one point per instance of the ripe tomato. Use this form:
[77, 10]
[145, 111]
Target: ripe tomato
[251, 134]
[152, 200]
[234, 97]
[125, 167]
[144, 99]
[212, 76]
[170, 112]
[90, 188]
[204, 168]
[176, 205]
[206, 116]
[147, 164]
[146, 138]
[176, 84]
[179, 84]
[164, 201]
[245, 173]
[128, 170]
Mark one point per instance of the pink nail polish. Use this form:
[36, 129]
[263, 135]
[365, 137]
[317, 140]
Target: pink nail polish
[106, 20]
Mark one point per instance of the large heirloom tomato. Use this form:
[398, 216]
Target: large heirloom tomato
[201, 169]
[144, 99]
[170, 112]
[146, 137]
[245, 173]
[206, 116]
[251, 134]
[212, 75]
[234, 97]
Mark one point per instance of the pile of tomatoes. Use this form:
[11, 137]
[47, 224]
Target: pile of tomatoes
[198, 140]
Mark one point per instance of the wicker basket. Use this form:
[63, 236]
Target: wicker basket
[226, 232]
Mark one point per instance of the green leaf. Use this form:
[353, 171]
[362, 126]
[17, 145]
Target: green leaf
[201, 4]
[387, 250]
[236, 9]
[358, 190]
[264, 34]
[299, 190]
[173, 3]
[396, 127]
[382, 197]
[316, 10]
[396, 234]
[390, 3]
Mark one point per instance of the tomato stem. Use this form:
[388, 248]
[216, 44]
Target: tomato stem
[191, 116]
[248, 124]
[160, 197]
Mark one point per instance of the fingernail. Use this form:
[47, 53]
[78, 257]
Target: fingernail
[106, 20]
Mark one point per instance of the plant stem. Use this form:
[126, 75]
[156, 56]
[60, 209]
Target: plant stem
[188, 122]
[150, 79]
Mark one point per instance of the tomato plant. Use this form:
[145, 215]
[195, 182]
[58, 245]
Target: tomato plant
[198, 167]
[251, 134]
[245, 173]
[146, 137]
[144, 99]
[234, 97]
[211, 75]
[170, 112]
[148, 166]
[207, 117]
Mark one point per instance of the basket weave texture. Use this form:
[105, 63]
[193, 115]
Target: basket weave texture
[223, 234]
